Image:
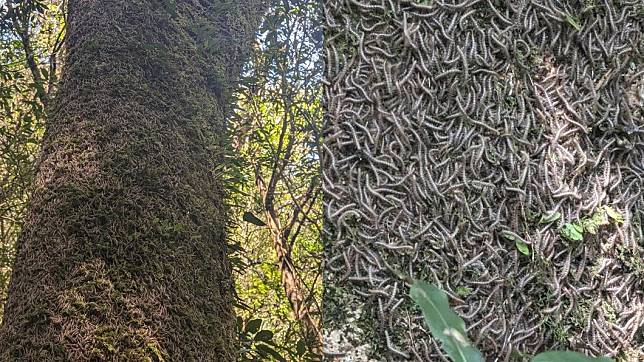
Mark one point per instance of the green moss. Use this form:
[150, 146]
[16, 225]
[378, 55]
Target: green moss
[131, 344]
[560, 333]
[633, 261]
[580, 315]
[463, 291]
[609, 311]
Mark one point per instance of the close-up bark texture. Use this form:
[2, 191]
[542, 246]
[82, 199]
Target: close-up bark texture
[123, 253]
[493, 148]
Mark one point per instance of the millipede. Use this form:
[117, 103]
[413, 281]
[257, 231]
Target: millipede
[457, 129]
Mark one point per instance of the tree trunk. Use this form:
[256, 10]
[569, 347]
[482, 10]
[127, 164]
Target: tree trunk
[123, 252]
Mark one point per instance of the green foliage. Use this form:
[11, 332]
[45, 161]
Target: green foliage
[445, 325]
[259, 344]
[522, 247]
[23, 93]
[616, 216]
[573, 21]
[548, 218]
[463, 291]
[520, 244]
[574, 231]
[449, 328]
[278, 86]
[273, 133]
[256, 343]
[249, 217]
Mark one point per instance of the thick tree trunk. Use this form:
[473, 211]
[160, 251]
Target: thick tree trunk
[123, 253]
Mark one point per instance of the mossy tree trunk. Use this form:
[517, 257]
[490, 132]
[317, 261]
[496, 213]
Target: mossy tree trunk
[123, 253]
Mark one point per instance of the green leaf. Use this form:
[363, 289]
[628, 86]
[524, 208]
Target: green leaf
[572, 232]
[253, 325]
[249, 217]
[508, 235]
[619, 218]
[301, 347]
[266, 350]
[567, 356]
[599, 218]
[523, 247]
[591, 228]
[548, 218]
[264, 335]
[518, 241]
[445, 325]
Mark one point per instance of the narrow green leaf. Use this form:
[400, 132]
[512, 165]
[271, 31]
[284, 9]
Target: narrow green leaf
[249, 217]
[567, 356]
[508, 235]
[444, 324]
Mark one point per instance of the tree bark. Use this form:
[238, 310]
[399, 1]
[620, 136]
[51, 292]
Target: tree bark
[123, 252]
